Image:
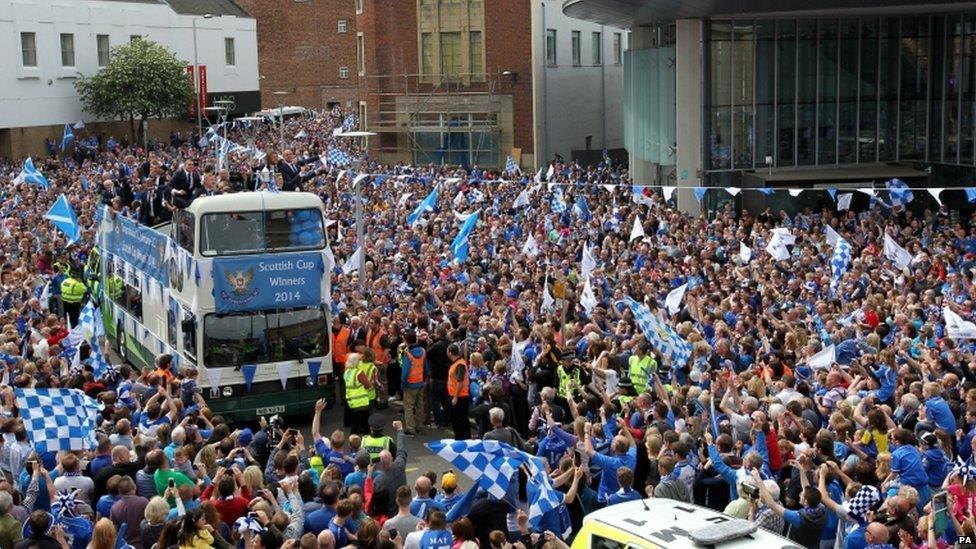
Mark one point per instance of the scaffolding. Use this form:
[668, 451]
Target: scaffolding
[464, 109]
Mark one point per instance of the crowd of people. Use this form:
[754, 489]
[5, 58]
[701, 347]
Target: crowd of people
[873, 449]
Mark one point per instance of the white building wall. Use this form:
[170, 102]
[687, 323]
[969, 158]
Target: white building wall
[46, 94]
[575, 101]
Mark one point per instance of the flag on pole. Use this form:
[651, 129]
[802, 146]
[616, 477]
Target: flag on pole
[426, 205]
[30, 175]
[79, 125]
[673, 301]
[558, 201]
[588, 264]
[956, 327]
[899, 193]
[64, 218]
[521, 200]
[58, 419]
[352, 263]
[777, 247]
[459, 247]
[581, 209]
[338, 157]
[745, 253]
[511, 166]
[67, 137]
[832, 236]
[824, 359]
[550, 172]
[896, 253]
[638, 230]
[587, 298]
[531, 247]
[548, 303]
[840, 260]
[844, 201]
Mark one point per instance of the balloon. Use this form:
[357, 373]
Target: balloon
[305, 238]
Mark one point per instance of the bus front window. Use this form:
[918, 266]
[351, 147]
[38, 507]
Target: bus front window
[234, 340]
[233, 233]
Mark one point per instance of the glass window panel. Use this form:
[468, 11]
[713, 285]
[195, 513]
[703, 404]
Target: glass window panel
[765, 131]
[575, 45]
[786, 73]
[229, 56]
[847, 132]
[67, 50]
[551, 47]
[806, 29]
[476, 53]
[450, 53]
[102, 45]
[786, 135]
[968, 95]
[597, 47]
[765, 71]
[721, 30]
[617, 48]
[721, 138]
[953, 85]
[805, 139]
[28, 49]
[866, 137]
[827, 133]
[806, 71]
[765, 29]
[937, 56]
[721, 72]
[426, 53]
[742, 64]
[742, 137]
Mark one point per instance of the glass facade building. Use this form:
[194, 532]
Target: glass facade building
[839, 91]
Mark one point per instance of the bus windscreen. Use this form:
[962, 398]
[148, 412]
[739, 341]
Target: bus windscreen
[234, 233]
[238, 339]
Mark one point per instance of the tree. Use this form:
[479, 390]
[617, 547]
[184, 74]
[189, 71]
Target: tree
[143, 80]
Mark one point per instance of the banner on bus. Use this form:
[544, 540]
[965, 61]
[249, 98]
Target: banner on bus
[254, 284]
[139, 246]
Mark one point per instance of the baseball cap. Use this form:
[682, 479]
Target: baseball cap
[245, 437]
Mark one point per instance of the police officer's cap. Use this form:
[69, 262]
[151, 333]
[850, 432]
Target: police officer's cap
[376, 422]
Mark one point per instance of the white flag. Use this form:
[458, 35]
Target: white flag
[667, 192]
[458, 198]
[548, 303]
[673, 301]
[531, 247]
[589, 262]
[958, 328]
[844, 201]
[610, 187]
[777, 248]
[745, 253]
[833, 237]
[329, 259]
[359, 179]
[522, 199]
[352, 264]
[794, 192]
[935, 194]
[403, 199]
[550, 172]
[587, 299]
[734, 191]
[824, 359]
[896, 253]
[284, 370]
[785, 235]
[538, 176]
[638, 230]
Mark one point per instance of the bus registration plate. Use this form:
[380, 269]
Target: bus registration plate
[269, 410]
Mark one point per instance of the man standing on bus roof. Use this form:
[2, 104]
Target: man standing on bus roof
[184, 180]
[377, 340]
[290, 170]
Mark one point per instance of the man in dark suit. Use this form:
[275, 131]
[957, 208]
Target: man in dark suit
[290, 170]
[185, 180]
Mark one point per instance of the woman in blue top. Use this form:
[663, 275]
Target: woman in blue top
[907, 465]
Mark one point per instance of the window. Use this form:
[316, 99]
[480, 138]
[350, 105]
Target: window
[477, 66]
[617, 48]
[134, 37]
[103, 47]
[28, 49]
[258, 232]
[450, 53]
[359, 6]
[183, 223]
[576, 48]
[342, 26]
[233, 340]
[67, 50]
[189, 327]
[426, 53]
[361, 53]
[597, 48]
[229, 57]
[343, 72]
[551, 47]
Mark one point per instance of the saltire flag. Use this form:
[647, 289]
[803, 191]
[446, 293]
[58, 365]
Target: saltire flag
[531, 247]
[832, 236]
[844, 201]
[426, 205]
[67, 137]
[494, 466]
[64, 218]
[30, 175]
[459, 247]
[349, 122]
[581, 209]
[522, 199]
[511, 166]
[899, 193]
[58, 419]
[661, 336]
[840, 260]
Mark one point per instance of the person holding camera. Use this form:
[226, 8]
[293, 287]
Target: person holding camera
[233, 495]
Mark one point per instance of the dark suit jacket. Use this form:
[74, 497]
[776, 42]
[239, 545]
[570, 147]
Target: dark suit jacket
[291, 174]
[183, 181]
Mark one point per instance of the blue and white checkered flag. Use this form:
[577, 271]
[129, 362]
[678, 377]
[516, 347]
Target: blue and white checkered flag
[511, 166]
[899, 193]
[493, 465]
[661, 336]
[338, 157]
[58, 419]
[840, 261]
[558, 201]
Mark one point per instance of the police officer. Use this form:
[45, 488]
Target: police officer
[568, 375]
[357, 385]
[641, 365]
[73, 293]
[375, 442]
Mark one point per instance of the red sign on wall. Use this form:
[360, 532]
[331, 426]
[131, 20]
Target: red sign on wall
[201, 97]
[203, 86]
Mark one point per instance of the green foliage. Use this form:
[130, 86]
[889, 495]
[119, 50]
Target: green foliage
[143, 80]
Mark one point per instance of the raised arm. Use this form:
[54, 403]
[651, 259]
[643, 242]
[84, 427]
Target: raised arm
[317, 420]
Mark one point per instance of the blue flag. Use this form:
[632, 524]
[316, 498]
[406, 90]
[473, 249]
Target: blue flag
[64, 218]
[249, 370]
[426, 205]
[700, 193]
[971, 194]
[766, 191]
[899, 193]
[581, 208]
[67, 138]
[30, 175]
[459, 247]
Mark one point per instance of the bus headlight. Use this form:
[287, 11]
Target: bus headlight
[227, 391]
[309, 381]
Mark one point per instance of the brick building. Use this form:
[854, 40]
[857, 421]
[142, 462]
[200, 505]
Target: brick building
[307, 48]
[473, 81]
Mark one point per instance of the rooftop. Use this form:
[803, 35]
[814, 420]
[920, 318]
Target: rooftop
[197, 7]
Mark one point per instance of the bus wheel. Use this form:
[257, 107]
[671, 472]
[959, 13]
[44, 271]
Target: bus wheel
[121, 343]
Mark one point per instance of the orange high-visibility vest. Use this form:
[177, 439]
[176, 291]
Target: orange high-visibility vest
[340, 345]
[416, 372]
[375, 341]
[456, 387]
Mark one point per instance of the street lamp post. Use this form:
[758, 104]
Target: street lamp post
[279, 99]
[196, 75]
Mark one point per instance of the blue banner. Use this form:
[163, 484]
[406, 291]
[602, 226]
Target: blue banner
[139, 246]
[273, 282]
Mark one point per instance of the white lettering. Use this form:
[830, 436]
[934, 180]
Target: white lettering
[279, 281]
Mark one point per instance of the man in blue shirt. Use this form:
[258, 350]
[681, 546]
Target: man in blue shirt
[907, 465]
[937, 412]
[624, 455]
[625, 478]
[422, 504]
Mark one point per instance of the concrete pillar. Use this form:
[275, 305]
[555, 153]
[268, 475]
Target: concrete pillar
[688, 94]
